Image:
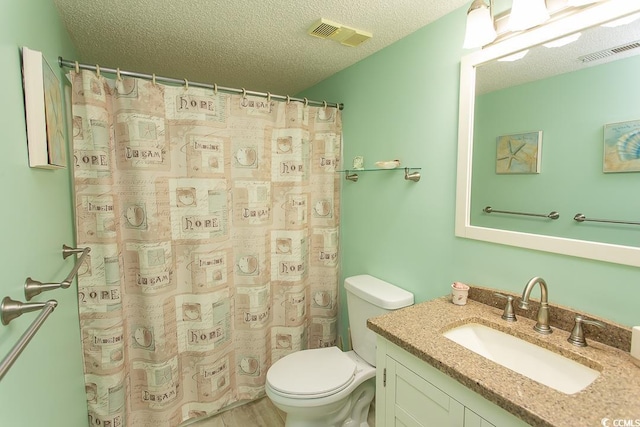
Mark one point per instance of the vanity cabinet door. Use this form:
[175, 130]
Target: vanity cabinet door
[412, 401]
[471, 419]
[410, 392]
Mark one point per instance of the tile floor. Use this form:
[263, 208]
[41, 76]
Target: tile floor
[260, 413]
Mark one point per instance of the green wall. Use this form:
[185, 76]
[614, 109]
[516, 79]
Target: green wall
[402, 103]
[45, 386]
[570, 110]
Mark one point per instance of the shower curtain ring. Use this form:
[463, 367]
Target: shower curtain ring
[324, 104]
[98, 70]
[77, 68]
[186, 84]
[288, 99]
[244, 93]
[306, 102]
[269, 97]
[118, 76]
[215, 89]
[153, 79]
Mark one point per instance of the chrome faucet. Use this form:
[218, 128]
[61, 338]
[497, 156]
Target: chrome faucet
[542, 325]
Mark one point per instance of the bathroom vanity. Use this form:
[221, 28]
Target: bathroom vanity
[426, 379]
[412, 393]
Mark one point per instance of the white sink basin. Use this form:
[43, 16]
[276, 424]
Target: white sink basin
[530, 360]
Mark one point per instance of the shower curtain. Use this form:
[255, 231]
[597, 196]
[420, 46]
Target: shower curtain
[213, 226]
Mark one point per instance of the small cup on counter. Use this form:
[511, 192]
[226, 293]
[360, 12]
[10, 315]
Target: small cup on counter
[459, 293]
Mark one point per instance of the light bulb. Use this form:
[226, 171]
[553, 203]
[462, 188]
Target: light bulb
[526, 14]
[480, 28]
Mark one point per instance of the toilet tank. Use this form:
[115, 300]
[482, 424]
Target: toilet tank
[368, 296]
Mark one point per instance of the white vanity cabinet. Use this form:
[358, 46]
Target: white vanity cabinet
[412, 393]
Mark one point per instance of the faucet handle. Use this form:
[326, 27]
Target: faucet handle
[508, 314]
[577, 334]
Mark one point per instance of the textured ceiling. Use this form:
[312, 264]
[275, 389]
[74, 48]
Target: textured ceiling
[260, 45]
[541, 62]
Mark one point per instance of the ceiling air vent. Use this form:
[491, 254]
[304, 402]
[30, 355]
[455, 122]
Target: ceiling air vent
[347, 36]
[324, 28]
[353, 37]
[609, 52]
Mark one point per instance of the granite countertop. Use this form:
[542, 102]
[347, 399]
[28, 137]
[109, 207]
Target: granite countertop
[615, 394]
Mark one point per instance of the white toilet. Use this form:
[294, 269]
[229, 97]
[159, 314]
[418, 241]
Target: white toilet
[326, 387]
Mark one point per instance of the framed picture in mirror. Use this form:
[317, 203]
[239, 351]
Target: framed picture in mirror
[519, 153]
[622, 147]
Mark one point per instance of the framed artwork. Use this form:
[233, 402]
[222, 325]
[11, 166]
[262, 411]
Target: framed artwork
[519, 153]
[44, 109]
[622, 147]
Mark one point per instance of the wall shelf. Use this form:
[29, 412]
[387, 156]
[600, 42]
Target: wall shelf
[410, 174]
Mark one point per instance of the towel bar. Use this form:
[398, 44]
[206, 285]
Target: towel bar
[581, 218]
[550, 215]
[35, 287]
[9, 310]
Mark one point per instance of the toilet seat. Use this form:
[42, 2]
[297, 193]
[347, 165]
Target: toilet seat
[309, 374]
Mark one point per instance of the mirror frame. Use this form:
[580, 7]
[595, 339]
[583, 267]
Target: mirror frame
[591, 16]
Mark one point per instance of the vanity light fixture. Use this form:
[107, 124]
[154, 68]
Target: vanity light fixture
[563, 41]
[527, 14]
[480, 27]
[580, 2]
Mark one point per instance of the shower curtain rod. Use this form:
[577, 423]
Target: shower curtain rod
[73, 64]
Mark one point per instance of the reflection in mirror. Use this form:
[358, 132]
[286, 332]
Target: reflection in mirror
[541, 130]
[570, 93]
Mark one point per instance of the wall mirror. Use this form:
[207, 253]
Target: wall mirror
[551, 100]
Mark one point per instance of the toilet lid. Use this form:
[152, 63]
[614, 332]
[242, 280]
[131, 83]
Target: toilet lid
[312, 373]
